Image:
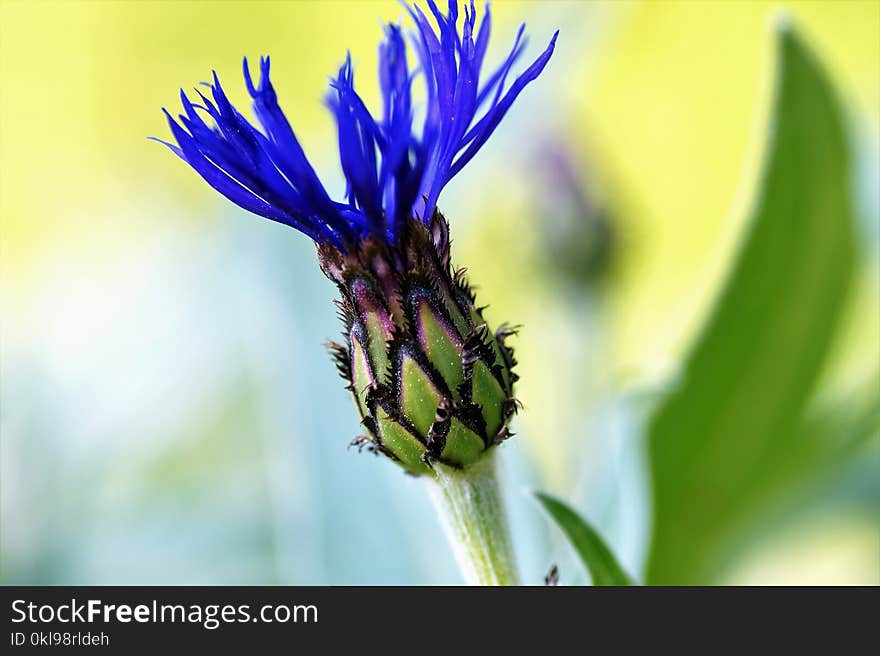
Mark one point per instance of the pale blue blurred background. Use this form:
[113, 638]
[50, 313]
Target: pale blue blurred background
[168, 413]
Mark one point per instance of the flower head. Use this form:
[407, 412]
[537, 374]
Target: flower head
[394, 172]
[430, 382]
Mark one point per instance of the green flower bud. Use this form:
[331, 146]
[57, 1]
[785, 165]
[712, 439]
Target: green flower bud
[430, 381]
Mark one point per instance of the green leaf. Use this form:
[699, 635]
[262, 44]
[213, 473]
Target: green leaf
[595, 554]
[736, 417]
[827, 438]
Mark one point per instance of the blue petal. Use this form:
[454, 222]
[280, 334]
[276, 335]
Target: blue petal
[226, 185]
[282, 145]
[451, 64]
[358, 141]
[393, 172]
[484, 129]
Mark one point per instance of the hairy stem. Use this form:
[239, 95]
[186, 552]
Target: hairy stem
[470, 508]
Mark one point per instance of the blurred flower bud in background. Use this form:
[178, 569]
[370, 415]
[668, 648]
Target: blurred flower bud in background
[574, 219]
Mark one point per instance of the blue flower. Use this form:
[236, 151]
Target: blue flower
[394, 173]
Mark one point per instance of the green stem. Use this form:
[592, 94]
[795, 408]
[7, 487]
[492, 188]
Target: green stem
[470, 508]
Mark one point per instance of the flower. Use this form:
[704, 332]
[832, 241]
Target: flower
[431, 383]
[393, 173]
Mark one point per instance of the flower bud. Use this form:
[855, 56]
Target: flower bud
[431, 382]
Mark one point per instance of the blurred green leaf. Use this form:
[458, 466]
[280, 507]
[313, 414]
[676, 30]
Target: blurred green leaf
[825, 438]
[735, 422]
[595, 554]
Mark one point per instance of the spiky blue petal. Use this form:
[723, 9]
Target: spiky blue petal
[393, 172]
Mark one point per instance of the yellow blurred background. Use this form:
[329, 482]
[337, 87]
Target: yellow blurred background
[112, 249]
